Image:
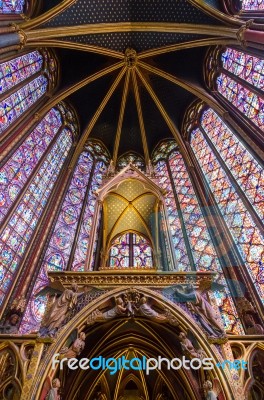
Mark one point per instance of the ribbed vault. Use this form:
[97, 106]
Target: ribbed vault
[136, 66]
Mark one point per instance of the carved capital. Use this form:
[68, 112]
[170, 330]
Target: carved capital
[241, 32]
[23, 38]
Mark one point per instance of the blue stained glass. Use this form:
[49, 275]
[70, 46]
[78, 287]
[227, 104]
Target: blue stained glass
[14, 105]
[11, 6]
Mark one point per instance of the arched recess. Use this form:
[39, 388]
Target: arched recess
[11, 372]
[131, 201]
[253, 382]
[158, 339]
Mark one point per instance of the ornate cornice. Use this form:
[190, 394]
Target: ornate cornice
[203, 280]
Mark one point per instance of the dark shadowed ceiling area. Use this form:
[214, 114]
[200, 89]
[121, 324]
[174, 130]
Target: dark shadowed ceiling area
[90, 36]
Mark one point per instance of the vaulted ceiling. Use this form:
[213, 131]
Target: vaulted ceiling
[160, 46]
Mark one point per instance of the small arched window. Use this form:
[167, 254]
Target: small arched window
[130, 250]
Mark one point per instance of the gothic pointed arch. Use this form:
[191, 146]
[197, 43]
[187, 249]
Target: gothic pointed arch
[156, 341]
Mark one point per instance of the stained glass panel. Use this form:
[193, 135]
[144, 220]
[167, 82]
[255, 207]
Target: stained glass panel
[247, 172]
[181, 255]
[252, 5]
[17, 103]
[163, 150]
[11, 6]
[119, 252]
[130, 250]
[19, 168]
[82, 241]
[58, 253]
[23, 221]
[247, 67]
[203, 252]
[133, 158]
[142, 253]
[80, 193]
[247, 236]
[250, 104]
[201, 246]
[18, 69]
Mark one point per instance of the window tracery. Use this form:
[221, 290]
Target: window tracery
[130, 250]
[69, 242]
[130, 157]
[246, 234]
[238, 78]
[15, 174]
[23, 81]
[192, 243]
[23, 221]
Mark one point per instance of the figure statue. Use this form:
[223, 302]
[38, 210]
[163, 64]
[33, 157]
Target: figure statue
[10, 326]
[58, 311]
[75, 349]
[209, 392]
[248, 314]
[145, 310]
[118, 311]
[201, 308]
[188, 348]
[251, 327]
[53, 392]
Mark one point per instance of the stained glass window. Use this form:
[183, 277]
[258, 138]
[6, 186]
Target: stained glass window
[180, 251]
[163, 150]
[11, 6]
[249, 103]
[246, 66]
[200, 242]
[21, 165]
[17, 103]
[133, 158]
[252, 5]
[247, 172]
[70, 238]
[188, 227]
[23, 221]
[130, 250]
[18, 69]
[23, 81]
[247, 236]
[82, 241]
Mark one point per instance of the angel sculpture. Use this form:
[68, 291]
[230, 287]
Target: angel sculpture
[145, 310]
[201, 308]
[58, 311]
[50, 390]
[10, 326]
[75, 349]
[188, 348]
[213, 391]
[117, 311]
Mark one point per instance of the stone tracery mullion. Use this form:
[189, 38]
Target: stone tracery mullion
[257, 219]
[179, 210]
